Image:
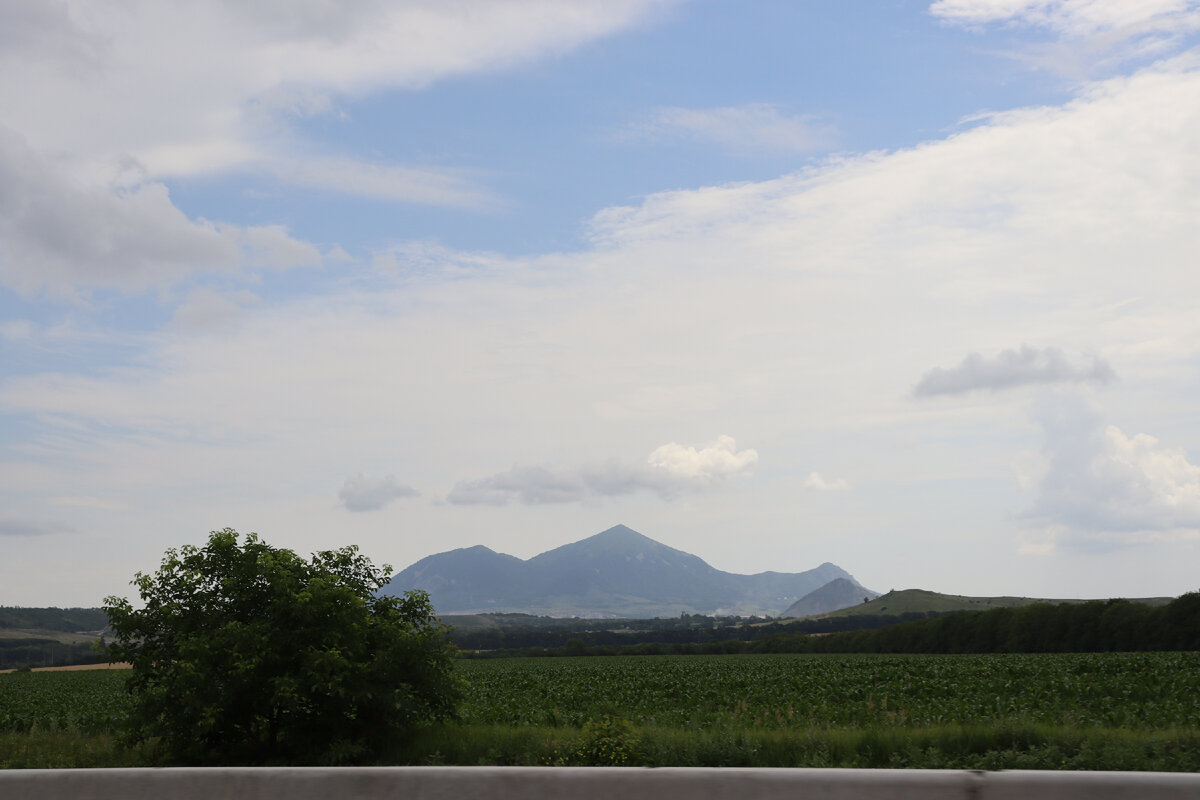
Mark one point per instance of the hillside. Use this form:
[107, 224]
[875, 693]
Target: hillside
[616, 573]
[922, 601]
[837, 594]
[49, 636]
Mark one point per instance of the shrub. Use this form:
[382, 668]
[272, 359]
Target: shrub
[249, 654]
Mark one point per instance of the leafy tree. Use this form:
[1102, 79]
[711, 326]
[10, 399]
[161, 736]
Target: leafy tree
[248, 654]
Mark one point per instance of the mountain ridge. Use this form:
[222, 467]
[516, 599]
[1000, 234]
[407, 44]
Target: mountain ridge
[618, 572]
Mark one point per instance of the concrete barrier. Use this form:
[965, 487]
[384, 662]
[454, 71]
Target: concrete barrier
[600, 783]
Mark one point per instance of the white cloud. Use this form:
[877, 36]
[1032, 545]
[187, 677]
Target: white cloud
[752, 129]
[1010, 369]
[364, 493]
[820, 484]
[1103, 488]
[711, 463]
[1092, 33]
[668, 471]
[1073, 17]
[60, 233]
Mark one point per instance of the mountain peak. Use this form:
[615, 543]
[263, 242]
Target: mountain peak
[622, 533]
[617, 541]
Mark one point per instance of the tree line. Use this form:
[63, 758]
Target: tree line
[685, 629]
[1093, 626]
[67, 620]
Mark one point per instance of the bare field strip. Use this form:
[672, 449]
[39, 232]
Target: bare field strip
[75, 667]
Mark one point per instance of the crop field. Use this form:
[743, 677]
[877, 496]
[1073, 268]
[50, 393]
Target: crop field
[1145, 690]
[1086, 711]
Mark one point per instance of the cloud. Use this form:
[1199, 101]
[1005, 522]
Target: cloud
[1074, 17]
[705, 465]
[384, 182]
[205, 309]
[61, 233]
[668, 471]
[19, 526]
[97, 503]
[1091, 34]
[1103, 488]
[751, 129]
[363, 493]
[101, 105]
[35, 30]
[1010, 369]
[816, 482]
[201, 76]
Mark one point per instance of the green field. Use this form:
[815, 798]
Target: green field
[1084, 711]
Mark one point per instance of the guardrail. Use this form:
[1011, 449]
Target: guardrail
[586, 783]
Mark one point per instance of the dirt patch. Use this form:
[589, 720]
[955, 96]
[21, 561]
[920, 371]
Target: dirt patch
[75, 667]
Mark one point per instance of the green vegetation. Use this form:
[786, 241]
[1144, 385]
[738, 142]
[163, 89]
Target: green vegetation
[1060, 711]
[1136, 690]
[248, 654]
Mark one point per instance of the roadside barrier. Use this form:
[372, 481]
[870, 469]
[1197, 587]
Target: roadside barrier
[586, 783]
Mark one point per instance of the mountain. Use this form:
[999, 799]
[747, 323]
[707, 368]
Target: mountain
[473, 576]
[837, 594]
[616, 573]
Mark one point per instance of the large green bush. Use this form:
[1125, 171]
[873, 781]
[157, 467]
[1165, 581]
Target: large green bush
[248, 654]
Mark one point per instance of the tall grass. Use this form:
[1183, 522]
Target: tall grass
[1020, 746]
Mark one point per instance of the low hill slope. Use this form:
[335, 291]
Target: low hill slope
[921, 601]
[837, 594]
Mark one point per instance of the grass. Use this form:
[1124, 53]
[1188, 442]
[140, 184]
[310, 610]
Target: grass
[70, 750]
[941, 747]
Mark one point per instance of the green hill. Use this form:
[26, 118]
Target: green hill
[43, 637]
[923, 601]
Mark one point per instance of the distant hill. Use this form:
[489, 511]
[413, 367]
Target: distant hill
[837, 594]
[70, 620]
[920, 601]
[616, 573]
[42, 637]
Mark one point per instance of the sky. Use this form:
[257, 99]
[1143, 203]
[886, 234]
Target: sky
[909, 287]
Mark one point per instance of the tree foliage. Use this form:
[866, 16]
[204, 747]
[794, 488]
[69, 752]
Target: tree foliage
[248, 654]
